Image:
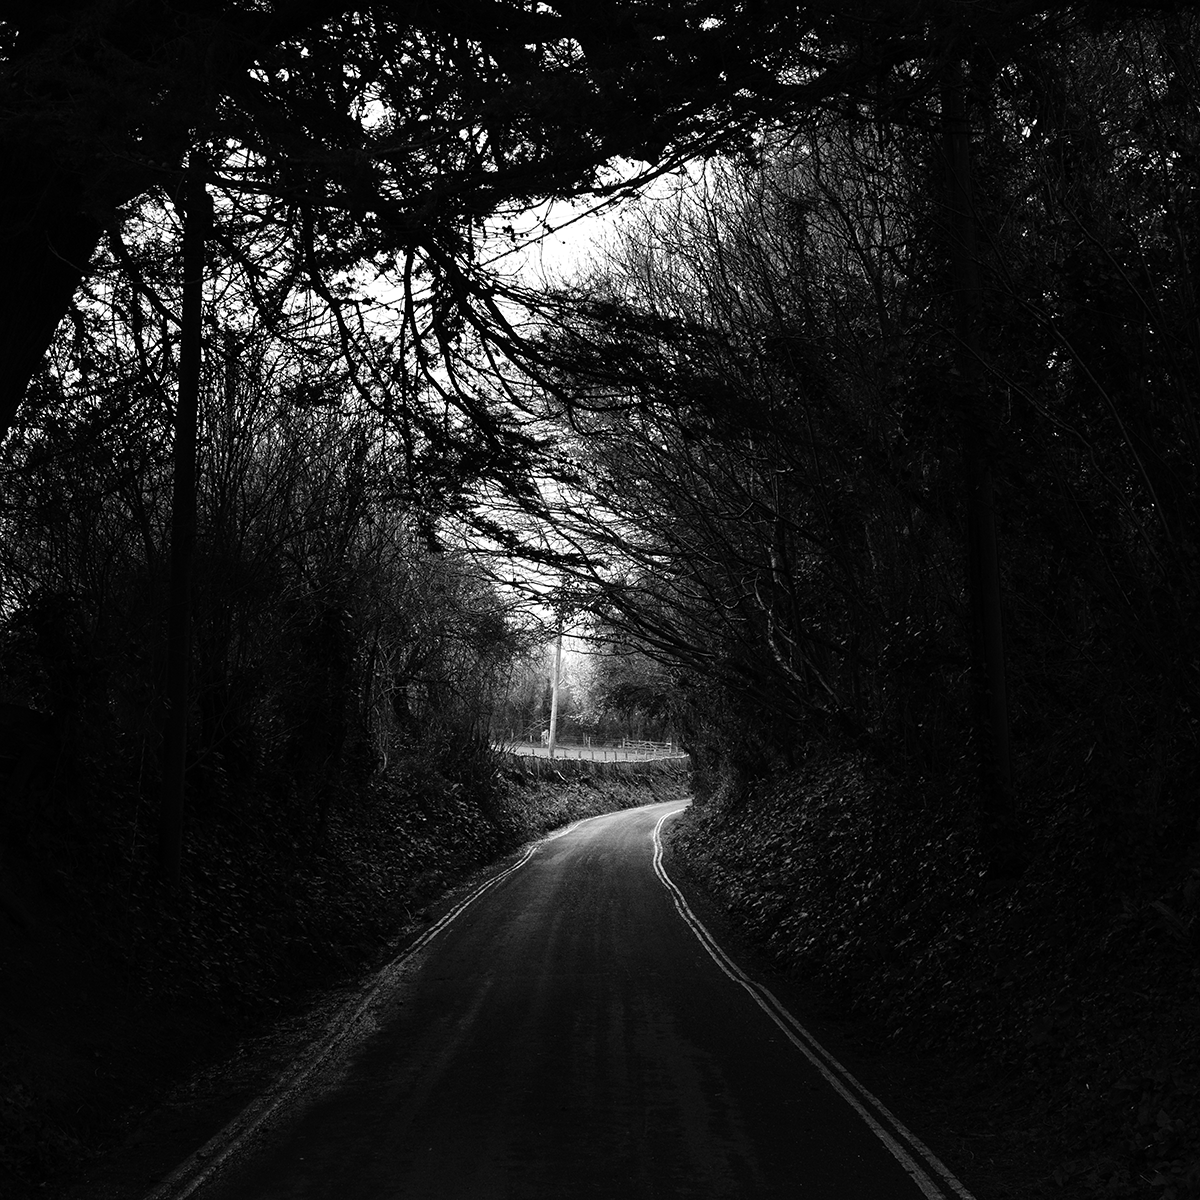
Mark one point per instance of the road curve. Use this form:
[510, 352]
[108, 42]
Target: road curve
[567, 1034]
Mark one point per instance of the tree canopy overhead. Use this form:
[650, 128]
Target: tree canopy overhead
[373, 133]
[365, 131]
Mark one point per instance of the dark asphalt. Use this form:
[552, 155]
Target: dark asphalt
[568, 1036]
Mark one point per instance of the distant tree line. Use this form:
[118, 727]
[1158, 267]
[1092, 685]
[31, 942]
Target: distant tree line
[616, 692]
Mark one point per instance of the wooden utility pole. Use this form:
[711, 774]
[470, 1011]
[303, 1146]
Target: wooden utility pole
[554, 678]
[195, 205]
[979, 427]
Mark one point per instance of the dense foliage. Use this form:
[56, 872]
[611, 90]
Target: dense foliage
[361, 135]
[769, 455]
[768, 447]
[1060, 1010]
[947, 291]
[332, 631]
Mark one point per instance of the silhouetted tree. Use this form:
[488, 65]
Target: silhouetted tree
[360, 135]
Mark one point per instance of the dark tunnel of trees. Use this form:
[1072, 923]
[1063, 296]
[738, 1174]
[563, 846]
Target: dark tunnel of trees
[870, 432]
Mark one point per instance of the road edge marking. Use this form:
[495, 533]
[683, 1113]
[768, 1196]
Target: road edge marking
[202, 1164]
[859, 1097]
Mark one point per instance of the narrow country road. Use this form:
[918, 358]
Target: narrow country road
[568, 1034]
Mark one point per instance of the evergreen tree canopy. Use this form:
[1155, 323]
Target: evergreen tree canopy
[372, 132]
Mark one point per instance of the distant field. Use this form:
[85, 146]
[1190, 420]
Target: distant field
[595, 753]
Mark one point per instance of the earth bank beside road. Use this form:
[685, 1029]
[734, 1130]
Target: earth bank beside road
[120, 1053]
[569, 1035]
[1050, 1032]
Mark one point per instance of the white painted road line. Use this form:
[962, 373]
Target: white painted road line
[916, 1159]
[872, 1110]
[187, 1178]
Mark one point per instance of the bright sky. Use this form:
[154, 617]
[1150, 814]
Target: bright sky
[577, 232]
[559, 255]
[578, 229]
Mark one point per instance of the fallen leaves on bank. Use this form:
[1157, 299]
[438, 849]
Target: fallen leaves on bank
[1074, 990]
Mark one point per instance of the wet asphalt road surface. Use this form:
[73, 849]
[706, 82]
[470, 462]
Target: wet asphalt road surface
[568, 1036]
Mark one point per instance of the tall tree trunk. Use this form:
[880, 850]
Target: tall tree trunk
[45, 247]
[197, 214]
[978, 423]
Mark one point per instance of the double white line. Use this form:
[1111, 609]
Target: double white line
[187, 1178]
[909, 1151]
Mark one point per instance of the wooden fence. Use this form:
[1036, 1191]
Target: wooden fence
[641, 744]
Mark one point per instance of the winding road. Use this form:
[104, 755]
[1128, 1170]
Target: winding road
[571, 1030]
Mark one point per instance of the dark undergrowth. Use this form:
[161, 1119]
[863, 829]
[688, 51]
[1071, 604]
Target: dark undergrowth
[1071, 992]
[114, 988]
